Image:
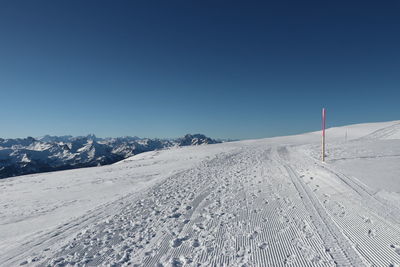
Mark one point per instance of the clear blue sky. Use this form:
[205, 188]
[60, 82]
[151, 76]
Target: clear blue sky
[229, 69]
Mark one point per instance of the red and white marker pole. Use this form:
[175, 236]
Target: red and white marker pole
[323, 133]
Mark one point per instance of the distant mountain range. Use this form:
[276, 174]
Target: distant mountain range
[50, 153]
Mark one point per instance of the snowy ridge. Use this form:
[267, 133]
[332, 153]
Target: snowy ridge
[51, 153]
[268, 202]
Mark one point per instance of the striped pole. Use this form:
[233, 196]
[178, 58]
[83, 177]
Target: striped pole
[323, 133]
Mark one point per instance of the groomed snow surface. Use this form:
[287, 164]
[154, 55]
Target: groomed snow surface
[267, 202]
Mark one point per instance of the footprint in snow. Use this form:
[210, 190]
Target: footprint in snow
[367, 220]
[263, 245]
[371, 232]
[175, 262]
[253, 235]
[196, 243]
[290, 259]
[176, 215]
[178, 241]
[396, 248]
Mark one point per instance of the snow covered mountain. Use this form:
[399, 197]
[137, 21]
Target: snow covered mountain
[50, 153]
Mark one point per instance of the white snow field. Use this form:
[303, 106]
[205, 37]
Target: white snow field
[267, 202]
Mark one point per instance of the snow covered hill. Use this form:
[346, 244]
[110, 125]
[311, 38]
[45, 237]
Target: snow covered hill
[50, 153]
[267, 202]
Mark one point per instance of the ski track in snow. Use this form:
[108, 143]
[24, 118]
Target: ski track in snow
[244, 213]
[259, 204]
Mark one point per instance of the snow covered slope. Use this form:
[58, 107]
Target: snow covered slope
[51, 153]
[267, 202]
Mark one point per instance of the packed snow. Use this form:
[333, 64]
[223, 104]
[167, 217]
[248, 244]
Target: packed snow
[267, 202]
